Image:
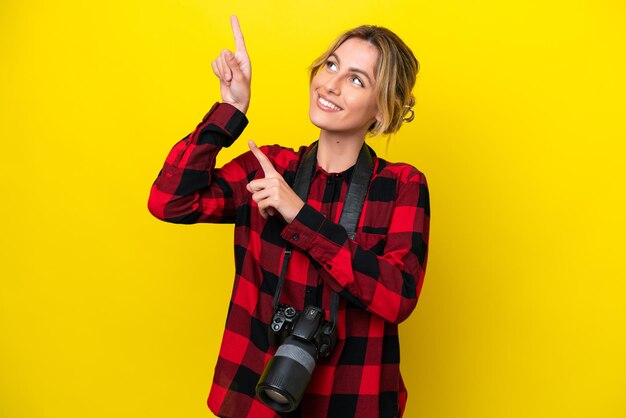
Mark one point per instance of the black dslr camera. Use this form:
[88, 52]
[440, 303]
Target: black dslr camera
[302, 338]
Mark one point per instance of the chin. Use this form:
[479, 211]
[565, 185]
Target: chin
[335, 127]
[317, 120]
[324, 125]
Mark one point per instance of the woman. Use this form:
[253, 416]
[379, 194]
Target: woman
[361, 85]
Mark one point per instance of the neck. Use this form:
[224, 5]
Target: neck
[336, 153]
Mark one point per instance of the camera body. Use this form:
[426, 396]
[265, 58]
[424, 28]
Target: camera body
[308, 325]
[302, 338]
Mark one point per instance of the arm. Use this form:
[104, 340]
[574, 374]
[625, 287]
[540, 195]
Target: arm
[387, 285]
[188, 188]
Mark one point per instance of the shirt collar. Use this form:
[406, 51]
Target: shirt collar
[346, 174]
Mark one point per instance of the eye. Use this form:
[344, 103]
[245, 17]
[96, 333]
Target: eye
[331, 65]
[357, 81]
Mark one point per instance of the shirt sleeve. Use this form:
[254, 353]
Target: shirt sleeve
[387, 285]
[189, 188]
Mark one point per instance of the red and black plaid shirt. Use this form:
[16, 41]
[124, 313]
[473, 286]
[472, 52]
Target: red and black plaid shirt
[379, 274]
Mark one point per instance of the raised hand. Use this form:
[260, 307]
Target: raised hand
[272, 193]
[234, 71]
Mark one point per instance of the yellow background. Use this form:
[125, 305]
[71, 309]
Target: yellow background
[107, 312]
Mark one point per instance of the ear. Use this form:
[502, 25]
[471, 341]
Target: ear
[379, 116]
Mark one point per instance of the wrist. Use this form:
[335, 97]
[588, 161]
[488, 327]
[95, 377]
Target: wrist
[243, 108]
[295, 212]
[240, 103]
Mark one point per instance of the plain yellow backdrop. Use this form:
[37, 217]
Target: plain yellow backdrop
[108, 312]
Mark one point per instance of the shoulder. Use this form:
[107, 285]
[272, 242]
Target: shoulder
[282, 157]
[401, 183]
[398, 171]
[285, 160]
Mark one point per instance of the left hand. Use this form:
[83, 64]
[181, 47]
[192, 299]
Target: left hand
[272, 193]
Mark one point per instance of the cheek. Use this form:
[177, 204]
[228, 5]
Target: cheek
[312, 95]
[315, 82]
[313, 88]
[373, 103]
[365, 103]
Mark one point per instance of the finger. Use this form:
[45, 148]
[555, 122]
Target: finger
[261, 195]
[215, 69]
[233, 66]
[223, 61]
[218, 68]
[254, 187]
[262, 211]
[267, 183]
[265, 209]
[266, 164]
[240, 43]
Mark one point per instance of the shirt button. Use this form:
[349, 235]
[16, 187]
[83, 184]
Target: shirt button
[329, 267]
[295, 237]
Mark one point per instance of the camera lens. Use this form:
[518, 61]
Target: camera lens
[287, 374]
[275, 396]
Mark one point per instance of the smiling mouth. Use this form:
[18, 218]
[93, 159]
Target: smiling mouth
[327, 104]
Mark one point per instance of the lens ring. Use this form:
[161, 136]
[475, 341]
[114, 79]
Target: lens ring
[298, 354]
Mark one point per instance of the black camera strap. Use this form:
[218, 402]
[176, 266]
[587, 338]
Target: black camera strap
[350, 214]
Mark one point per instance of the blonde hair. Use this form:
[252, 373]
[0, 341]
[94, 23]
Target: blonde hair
[395, 72]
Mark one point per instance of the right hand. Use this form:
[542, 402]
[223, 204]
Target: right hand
[234, 71]
[272, 193]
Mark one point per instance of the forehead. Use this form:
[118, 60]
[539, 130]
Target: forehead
[359, 54]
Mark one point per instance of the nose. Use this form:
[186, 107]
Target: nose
[332, 84]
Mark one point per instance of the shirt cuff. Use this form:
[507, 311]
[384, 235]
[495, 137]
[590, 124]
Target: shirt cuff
[223, 118]
[304, 227]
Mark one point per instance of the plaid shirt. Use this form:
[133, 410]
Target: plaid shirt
[379, 275]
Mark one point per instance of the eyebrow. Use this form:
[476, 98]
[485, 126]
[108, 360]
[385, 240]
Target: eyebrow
[356, 70]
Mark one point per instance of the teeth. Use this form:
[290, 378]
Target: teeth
[328, 104]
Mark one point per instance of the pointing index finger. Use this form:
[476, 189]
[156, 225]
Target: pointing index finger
[266, 164]
[240, 44]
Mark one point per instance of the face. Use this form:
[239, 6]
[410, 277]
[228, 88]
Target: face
[343, 96]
